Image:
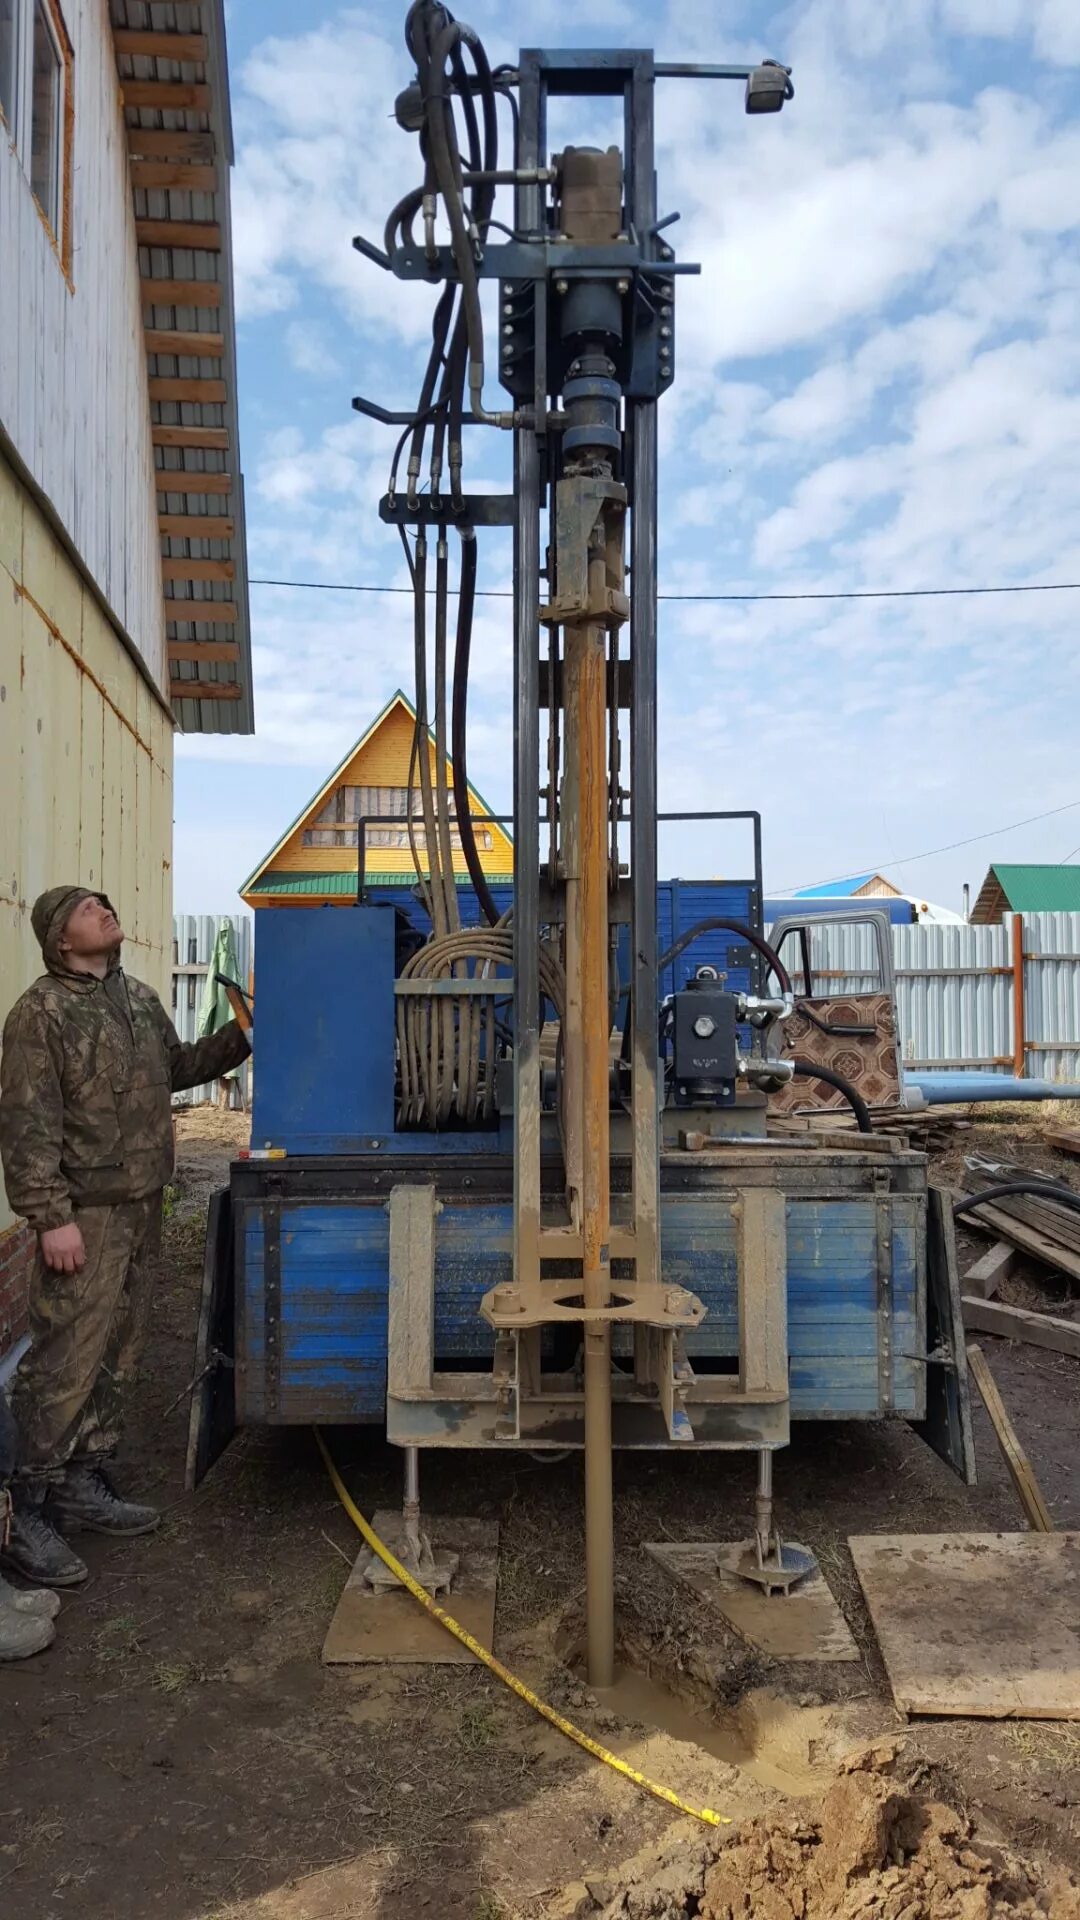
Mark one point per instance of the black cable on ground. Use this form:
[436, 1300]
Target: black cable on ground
[1042, 1188]
[810, 1070]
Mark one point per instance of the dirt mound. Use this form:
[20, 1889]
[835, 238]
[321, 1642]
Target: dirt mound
[876, 1850]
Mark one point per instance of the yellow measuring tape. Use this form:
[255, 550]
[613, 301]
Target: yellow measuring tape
[496, 1667]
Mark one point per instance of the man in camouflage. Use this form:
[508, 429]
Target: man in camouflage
[90, 1061]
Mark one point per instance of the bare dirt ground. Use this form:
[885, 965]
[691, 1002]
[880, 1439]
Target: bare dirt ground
[181, 1751]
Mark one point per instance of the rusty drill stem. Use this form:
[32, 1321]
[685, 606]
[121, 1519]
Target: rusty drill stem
[587, 645]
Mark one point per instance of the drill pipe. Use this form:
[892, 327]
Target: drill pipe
[587, 905]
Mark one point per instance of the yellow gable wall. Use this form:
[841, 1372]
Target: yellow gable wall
[383, 761]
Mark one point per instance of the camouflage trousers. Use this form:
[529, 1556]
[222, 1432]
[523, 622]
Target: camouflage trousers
[86, 1331]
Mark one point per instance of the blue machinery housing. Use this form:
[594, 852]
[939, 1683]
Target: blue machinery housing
[315, 1286]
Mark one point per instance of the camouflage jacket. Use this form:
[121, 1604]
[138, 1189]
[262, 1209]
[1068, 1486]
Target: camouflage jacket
[87, 1072]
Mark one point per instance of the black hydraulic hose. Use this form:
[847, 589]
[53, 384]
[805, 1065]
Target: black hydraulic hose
[447, 170]
[811, 1070]
[440, 327]
[1042, 1188]
[743, 932]
[458, 725]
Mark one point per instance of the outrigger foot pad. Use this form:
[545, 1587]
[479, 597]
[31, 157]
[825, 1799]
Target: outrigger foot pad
[434, 1572]
[775, 1566]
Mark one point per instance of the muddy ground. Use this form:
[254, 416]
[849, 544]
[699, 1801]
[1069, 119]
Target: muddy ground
[181, 1751]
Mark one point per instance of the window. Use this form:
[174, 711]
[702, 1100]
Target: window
[46, 115]
[337, 823]
[9, 59]
[36, 100]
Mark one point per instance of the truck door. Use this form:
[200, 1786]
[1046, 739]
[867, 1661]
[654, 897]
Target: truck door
[841, 967]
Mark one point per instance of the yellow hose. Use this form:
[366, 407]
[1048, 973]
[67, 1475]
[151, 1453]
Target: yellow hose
[496, 1667]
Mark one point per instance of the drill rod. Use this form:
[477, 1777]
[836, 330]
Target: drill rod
[586, 678]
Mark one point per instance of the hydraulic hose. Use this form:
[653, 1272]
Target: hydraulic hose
[744, 932]
[458, 724]
[811, 1070]
[1042, 1188]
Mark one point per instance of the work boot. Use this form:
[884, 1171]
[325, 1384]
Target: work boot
[86, 1498]
[42, 1602]
[34, 1548]
[22, 1632]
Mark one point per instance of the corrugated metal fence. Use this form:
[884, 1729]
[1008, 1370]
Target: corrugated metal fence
[194, 935]
[956, 997]
[956, 994]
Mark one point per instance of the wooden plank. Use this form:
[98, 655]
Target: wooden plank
[197, 234]
[196, 526]
[191, 176]
[180, 293]
[200, 346]
[186, 480]
[761, 1235]
[990, 1269]
[166, 436]
[177, 567]
[1043, 1216]
[1065, 1139]
[187, 387]
[167, 95]
[1016, 1323]
[169, 46]
[204, 689]
[172, 143]
[1021, 1472]
[986, 1624]
[221, 652]
[1001, 1226]
[207, 613]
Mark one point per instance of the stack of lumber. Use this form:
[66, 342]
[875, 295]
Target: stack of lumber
[1032, 1224]
[928, 1129]
[1065, 1139]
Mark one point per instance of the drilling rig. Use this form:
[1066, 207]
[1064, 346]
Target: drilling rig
[513, 1184]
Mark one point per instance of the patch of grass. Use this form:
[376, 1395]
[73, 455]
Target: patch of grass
[176, 1676]
[117, 1641]
[477, 1728]
[1055, 1746]
[488, 1907]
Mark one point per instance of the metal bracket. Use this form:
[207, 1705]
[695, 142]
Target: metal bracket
[512, 1305]
[884, 1263]
[272, 1302]
[580, 504]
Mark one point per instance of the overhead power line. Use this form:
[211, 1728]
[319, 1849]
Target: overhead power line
[857, 593]
[804, 886]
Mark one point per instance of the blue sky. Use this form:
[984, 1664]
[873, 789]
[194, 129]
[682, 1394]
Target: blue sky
[878, 385]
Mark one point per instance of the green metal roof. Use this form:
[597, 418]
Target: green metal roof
[1039, 889]
[341, 885]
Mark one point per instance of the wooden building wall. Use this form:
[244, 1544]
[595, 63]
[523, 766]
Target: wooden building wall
[74, 403]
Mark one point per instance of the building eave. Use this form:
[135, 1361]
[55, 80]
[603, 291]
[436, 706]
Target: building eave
[175, 92]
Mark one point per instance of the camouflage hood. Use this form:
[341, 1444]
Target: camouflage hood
[50, 915]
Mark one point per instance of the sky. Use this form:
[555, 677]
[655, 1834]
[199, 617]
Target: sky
[877, 386]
